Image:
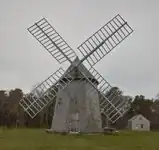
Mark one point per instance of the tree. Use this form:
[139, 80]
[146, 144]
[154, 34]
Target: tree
[3, 106]
[13, 105]
[157, 97]
[140, 105]
[155, 115]
[3, 98]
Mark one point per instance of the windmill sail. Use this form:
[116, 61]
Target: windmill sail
[104, 40]
[52, 41]
[45, 93]
[111, 105]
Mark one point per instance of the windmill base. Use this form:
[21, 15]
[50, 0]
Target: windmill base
[71, 132]
[77, 109]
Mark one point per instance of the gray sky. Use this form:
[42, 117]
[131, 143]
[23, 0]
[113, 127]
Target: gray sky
[132, 66]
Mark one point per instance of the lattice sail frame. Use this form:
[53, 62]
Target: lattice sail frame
[105, 40]
[96, 45]
[44, 93]
[52, 41]
[112, 106]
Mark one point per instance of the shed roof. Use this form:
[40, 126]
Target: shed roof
[134, 117]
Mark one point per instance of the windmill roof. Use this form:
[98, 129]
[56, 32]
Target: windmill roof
[81, 68]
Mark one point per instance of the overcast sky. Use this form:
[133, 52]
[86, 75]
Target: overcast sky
[132, 66]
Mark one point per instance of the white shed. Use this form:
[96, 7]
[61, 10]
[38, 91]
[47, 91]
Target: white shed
[139, 123]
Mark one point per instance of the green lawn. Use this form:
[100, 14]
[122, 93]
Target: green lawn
[38, 139]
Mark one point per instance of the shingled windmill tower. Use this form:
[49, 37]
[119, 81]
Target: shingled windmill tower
[82, 94]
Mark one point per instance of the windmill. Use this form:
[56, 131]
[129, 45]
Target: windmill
[82, 94]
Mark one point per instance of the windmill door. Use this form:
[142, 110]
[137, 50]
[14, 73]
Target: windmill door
[74, 124]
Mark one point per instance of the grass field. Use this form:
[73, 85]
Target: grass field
[38, 139]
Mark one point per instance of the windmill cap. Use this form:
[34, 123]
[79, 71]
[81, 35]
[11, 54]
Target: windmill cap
[75, 72]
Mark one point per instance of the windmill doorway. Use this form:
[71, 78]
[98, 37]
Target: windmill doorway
[74, 123]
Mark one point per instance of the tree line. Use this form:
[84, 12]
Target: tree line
[12, 115]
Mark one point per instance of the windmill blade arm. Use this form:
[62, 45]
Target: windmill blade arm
[52, 41]
[104, 40]
[45, 92]
[111, 104]
[121, 105]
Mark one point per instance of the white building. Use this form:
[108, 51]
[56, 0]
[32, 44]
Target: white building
[139, 123]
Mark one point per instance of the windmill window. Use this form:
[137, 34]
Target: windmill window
[138, 126]
[75, 100]
[60, 101]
